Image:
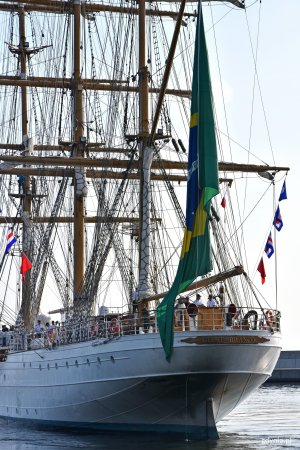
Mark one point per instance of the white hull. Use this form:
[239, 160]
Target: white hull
[126, 383]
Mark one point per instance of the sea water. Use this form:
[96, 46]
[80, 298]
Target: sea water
[269, 419]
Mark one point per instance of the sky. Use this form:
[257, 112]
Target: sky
[260, 79]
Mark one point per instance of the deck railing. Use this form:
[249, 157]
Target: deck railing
[113, 326]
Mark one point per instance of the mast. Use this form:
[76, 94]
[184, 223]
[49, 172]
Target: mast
[25, 198]
[78, 152]
[146, 156]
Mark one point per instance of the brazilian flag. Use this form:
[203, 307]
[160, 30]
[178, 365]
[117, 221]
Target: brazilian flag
[202, 186]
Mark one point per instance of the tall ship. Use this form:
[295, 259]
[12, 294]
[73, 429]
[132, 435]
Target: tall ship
[126, 302]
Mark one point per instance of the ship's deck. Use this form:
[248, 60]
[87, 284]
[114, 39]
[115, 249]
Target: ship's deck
[114, 325]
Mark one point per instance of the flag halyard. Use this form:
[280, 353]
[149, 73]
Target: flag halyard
[278, 224]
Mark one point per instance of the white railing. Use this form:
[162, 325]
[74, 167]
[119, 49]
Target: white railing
[115, 325]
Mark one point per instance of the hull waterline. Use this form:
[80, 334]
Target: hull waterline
[126, 384]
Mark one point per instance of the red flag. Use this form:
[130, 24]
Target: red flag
[223, 202]
[261, 269]
[25, 265]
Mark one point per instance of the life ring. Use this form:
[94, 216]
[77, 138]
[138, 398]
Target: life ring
[253, 323]
[269, 318]
[192, 310]
[114, 326]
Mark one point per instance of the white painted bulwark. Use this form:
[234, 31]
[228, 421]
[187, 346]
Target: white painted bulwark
[127, 384]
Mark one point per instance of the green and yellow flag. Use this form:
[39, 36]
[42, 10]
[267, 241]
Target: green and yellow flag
[202, 186]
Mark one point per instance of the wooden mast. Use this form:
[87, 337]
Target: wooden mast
[143, 75]
[78, 152]
[144, 152]
[23, 68]
[25, 199]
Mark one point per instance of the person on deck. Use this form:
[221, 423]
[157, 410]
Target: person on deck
[145, 316]
[38, 329]
[199, 302]
[179, 312]
[53, 335]
[134, 299]
[211, 302]
[191, 309]
[4, 335]
[231, 314]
